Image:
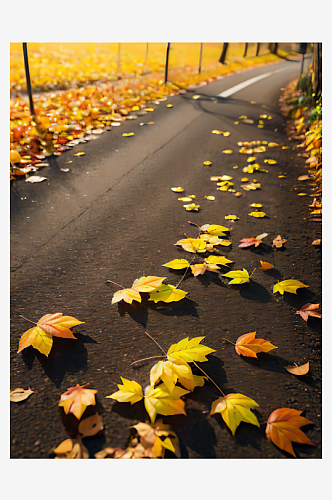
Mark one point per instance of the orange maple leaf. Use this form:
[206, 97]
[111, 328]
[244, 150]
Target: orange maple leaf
[248, 345]
[283, 427]
[76, 399]
[309, 310]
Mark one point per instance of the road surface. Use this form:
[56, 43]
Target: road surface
[114, 217]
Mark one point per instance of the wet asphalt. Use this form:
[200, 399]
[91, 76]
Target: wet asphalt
[114, 217]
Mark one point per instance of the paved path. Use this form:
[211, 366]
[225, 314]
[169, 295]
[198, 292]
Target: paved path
[113, 216]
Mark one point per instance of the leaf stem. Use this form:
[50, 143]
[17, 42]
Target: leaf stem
[28, 320]
[185, 272]
[156, 343]
[228, 341]
[213, 382]
[117, 284]
[145, 359]
[252, 273]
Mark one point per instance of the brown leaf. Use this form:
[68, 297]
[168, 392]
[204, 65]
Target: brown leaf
[298, 370]
[90, 426]
[19, 394]
[279, 241]
[76, 399]
[71, 448]
[309, 310]
[266, 265]
[303, 178]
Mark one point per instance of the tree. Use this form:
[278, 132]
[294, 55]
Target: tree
[317, 69]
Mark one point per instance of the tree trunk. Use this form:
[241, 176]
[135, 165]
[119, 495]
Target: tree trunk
[223, 54]
[257, 50]
[245, 49]
[317, 67]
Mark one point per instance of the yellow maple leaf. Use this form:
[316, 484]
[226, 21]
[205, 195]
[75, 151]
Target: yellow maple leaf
[214, 229]
[129, 392]
[160, 400]
[167, 293]
[41, 336]
[216, 259]
[289, 286]
[192, 245]
[234, 409]
[189, 350]
[239, 277]
[171, 372]
[127, 294]
[147, 284]
[191, 206]
[177, 264]
[257, 214]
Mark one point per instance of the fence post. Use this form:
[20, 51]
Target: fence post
[166, 64]
[200, 59]
[27, 77]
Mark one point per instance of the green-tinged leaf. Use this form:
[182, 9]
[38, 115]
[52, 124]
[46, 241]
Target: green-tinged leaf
[167, 293]
[239, 277]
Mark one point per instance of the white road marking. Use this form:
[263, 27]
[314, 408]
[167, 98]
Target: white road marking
[245, 84]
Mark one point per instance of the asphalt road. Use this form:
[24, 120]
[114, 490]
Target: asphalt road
[114, 217]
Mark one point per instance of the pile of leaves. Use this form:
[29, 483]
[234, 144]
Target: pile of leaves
[91, 101]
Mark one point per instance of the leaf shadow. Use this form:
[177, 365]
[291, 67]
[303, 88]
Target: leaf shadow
[273, 273]
[139, 311]
[208, 278]
[246, 434]
[66, 356]
[253, 291]
[297, 299]
[130, 412]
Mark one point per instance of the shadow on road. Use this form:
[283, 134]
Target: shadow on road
[66, 356]
[139, 311]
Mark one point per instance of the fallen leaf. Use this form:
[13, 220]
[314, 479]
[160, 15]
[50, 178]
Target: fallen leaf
[19, 394]
[187, 198]
[216, 259]
[127, 134]
[149, 109]
[303, 178]
[177, 264]
[147, 284]
[214, 229]
[302, 194]
[298, 370]
[317, 242]
[248, 345]
[160, 400]
[170, 373]
[270, 162]
[289, 286]
[239, 277]
[247, 242]
[231, 217]
[76, 399]
[189, 350]
[35, 178]
[210, 198]
[234, 409]
[129, 392]
[127, 295]
[191, 207]
[169, 105]
[217, 132]
[244, 179]
[167, 293]
[251, 186]
[208, 163]
[257, 214]
[283, 427]
[227, 151]
[309, 310]
[256, 205]
[201, 268]
[64, 169]
[192, 245]
[90, 426]
[266, 265]
[71, 448]
[79, 154]
[177, 189]
[279, 241]
[41, 336]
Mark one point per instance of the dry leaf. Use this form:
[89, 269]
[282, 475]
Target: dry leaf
[247, 242]
[248, 345]
[90, 426]
[208, 163]
[257, 214]
[303, 178]
[279, 241]
[19, 394]
[35, 178]
[317, 242]
[71, 448]
[76, 399]
[234, 409]
[177, 189]
[167, 293]
[227, 151]
[298, 370]
[239, 277]
[309, 310]
[283, 427]
[266, 265]
[289, 286]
